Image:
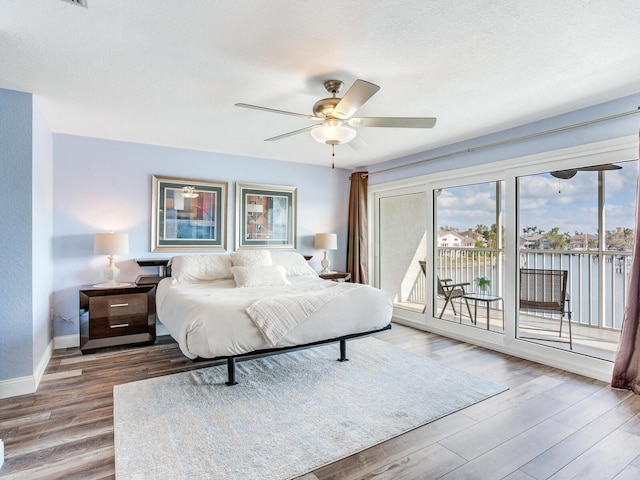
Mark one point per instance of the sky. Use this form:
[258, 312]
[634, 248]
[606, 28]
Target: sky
[547, 202]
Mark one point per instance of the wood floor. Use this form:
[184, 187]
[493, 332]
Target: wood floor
[549, 424]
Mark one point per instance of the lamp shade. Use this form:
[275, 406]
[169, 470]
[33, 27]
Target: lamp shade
[326, 241]
[111, 243]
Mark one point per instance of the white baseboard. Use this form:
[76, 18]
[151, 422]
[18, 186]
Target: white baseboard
[42, 364]
[17, 386]
[14, 387]
[66, 341]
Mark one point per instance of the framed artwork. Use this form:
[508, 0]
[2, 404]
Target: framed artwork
[265, 216]
[188, 214]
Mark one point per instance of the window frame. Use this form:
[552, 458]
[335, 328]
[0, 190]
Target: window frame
[608, 151]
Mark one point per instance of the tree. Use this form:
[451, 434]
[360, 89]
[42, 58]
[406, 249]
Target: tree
[531, 230]
[557, 240]
[620, 239]
[491, 239]
[482, 229]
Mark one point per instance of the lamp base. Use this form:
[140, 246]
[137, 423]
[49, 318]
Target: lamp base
[325, 264]
[111, 273]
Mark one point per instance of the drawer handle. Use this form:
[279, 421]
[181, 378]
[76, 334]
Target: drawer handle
[119, 305]
[120, 325]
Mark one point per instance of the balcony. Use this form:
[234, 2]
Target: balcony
[597, 288]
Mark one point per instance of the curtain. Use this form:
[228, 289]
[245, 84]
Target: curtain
[626, 369]
[358, 229]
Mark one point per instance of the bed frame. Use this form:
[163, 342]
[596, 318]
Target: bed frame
[231, 360]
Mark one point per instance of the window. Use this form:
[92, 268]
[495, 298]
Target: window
[469, 254]
[579, 220]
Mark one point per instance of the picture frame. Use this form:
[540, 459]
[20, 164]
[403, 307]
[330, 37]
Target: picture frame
[266, 216]
[188, 214]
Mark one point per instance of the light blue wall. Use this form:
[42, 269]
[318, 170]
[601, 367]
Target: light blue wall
[42, 232]
[99, 185]
[102, 185]
[619, 127]
[16, 339]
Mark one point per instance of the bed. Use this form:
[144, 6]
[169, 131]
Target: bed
[239, 305]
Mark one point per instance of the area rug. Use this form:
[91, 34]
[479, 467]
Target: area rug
[288, 415]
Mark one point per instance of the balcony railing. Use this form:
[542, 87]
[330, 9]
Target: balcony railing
[597, 281]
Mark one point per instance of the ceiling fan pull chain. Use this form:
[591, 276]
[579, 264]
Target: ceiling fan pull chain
[333, 156]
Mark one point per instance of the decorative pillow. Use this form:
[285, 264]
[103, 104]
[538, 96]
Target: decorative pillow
[293, 263]
[201, 268]
[251, 258]
[261, 276]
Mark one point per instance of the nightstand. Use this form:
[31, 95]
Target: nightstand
[336, 276]
[163, 270]
[117, 316]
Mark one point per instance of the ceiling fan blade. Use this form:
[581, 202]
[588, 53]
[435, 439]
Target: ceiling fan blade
[295, 132]
[273, 110]
[393, 122]
[355, 97]
[598, 168]
[357, 143]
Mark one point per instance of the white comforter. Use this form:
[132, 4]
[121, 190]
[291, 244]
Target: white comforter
[210, 320]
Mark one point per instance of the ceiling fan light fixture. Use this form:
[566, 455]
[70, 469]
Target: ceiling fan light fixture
[189, 192]
[333, 133]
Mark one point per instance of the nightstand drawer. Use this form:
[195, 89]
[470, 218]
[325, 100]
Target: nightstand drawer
[118, 305]
[117, 325]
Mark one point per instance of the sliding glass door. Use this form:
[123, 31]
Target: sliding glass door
[453, 248]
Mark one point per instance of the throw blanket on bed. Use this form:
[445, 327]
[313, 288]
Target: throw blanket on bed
[275, 316]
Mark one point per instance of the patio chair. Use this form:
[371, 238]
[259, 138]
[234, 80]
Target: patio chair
[546, 291]
[448, 291]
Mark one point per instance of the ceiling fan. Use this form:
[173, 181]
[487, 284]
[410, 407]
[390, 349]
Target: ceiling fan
[336, 116]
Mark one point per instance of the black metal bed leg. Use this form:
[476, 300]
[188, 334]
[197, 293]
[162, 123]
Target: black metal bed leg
[231, 371]
[343, 351]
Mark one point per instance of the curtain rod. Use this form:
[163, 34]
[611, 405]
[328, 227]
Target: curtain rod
[505, 142]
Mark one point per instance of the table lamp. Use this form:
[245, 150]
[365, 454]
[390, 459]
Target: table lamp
[326, 241]
[111, 244]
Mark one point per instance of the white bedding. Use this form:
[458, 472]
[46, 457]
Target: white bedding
[210, 320]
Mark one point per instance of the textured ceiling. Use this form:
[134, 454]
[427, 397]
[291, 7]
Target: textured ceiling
[169, 72]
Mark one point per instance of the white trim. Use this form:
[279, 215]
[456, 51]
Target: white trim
[17, 386]
[66, 341]
[42, 364]
[14, 387]
[624, 148]
[571, 362]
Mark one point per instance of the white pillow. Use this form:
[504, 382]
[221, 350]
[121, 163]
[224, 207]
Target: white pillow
[293, 263]
[201, 268]
[251, 258]
[264, 276]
